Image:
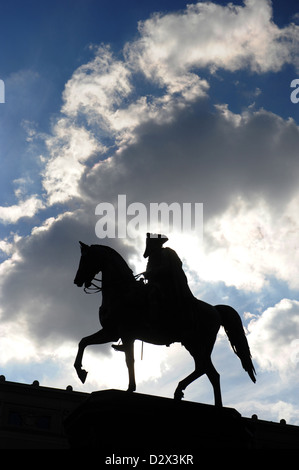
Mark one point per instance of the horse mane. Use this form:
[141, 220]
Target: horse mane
[117, 260]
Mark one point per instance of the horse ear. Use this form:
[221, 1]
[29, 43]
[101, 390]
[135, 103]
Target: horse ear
[83, 246]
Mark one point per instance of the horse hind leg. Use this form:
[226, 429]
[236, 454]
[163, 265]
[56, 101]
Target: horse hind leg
[201, 369]
[198, 372]
[214, 378]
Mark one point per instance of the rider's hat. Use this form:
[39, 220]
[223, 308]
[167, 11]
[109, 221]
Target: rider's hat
[154, 241]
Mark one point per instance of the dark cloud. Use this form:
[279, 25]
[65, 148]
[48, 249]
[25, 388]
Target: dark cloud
[40, 291]
[204, 156]
[173, 146]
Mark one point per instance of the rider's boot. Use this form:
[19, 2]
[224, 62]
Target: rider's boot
[118, 347]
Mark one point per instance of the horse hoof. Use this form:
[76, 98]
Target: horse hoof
[82, 375]
[178, 395]
[131, 389]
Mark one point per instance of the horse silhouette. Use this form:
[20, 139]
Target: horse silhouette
[124, 315]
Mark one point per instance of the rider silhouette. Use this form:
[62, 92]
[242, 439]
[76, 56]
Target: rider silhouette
[168, 289]
[168, 293]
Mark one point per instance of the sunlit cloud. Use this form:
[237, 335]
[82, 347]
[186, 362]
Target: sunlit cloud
[26, 208]
[143, 122]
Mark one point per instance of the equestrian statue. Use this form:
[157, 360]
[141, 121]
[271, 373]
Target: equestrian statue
[156, 307]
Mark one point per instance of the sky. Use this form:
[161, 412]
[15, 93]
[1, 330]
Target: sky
[160, 101]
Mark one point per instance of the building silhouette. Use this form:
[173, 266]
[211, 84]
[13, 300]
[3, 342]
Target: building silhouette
[37, 417]
[32, 416]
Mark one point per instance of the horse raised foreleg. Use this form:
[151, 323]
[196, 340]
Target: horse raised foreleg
[100, 337]
[129, 352]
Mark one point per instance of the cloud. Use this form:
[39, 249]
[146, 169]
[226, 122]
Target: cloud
[101, 107]
[175, 161]
[101, 110]
[274, 337]
[245, 244]
[251, 242]
[43, 266]
[69, 148]
[165, 144]
[210, 154]
[94, 122]
[248, 190]
[215, 36]
[26, 208]
[98, 87]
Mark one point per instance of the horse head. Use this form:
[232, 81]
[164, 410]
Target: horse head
[88, 267]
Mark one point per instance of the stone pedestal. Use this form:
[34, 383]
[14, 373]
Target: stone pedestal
[118, 422]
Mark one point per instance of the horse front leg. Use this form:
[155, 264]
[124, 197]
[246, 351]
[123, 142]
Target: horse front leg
[78, 361]
[129, 352]
[100, 337]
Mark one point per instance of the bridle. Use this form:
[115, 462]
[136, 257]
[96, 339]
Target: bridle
[94, 289]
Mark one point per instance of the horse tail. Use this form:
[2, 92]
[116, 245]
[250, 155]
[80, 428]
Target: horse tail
[232, 324]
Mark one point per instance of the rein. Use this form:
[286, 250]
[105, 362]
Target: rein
[94, 289]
